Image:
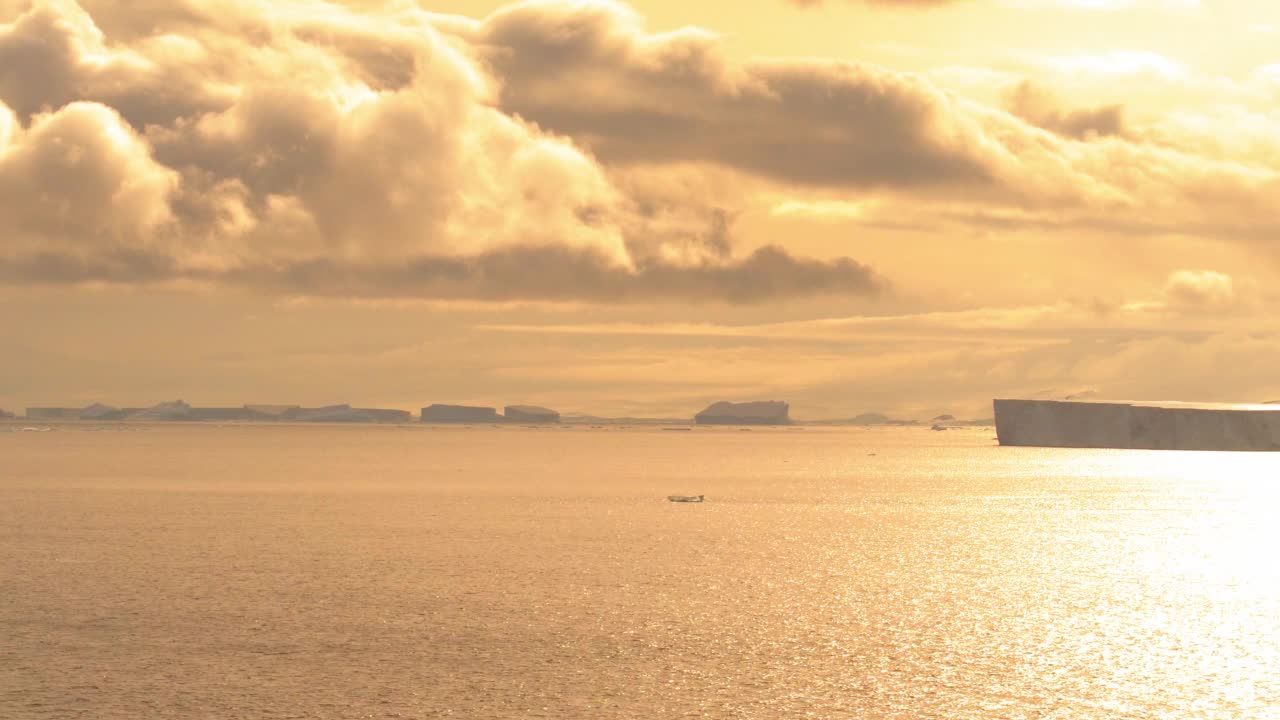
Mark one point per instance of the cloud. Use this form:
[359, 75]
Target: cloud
[307, 147]
[302, 134]
[956, 361]
[1118, 62]
[79, 174]
[593, 73]
[638, 99]
[516, 273]
[55, 54]
[1199, 290]
[884, 3]
[1038, 107]
[1074, 4]
[832, 210]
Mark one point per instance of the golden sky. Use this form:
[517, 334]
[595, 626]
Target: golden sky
[906, 206]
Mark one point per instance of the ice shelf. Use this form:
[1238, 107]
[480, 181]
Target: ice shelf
[1138, 425]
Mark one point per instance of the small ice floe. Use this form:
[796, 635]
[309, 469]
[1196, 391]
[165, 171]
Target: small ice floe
[686, 498]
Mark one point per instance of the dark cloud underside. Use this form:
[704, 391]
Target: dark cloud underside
[634, 99]
[518, 273]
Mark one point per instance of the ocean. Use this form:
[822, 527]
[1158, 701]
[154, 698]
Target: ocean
[421, 572]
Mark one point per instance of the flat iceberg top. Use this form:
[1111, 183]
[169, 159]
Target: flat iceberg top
[1166, 404]
[1139, 425]
[768, 408]
[530, 410]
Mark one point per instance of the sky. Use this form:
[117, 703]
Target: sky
[899, 206]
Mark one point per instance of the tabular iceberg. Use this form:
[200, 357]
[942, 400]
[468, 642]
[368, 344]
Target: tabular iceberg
[1138, 425]
[459, 414]
[530, 414]
[747, 413]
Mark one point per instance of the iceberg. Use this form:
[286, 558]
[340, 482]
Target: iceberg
[346, 414]
[530, 414]
[459, 414]
[165, 411]
[98, 411]
[747, 413]
[53, 413]
[270, 412]
[1138, 425]
[223, 414]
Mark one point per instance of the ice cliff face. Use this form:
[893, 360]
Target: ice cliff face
[530, 414]
[459, 414]
[748, 413]
[347, 414]
[1145, 426]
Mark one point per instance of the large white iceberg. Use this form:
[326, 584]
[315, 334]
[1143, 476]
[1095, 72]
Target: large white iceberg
[1138, 425]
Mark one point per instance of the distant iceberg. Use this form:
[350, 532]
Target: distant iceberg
[98, 411]
[1138, 425]
[165, 411]
[530, 414]
[747, 413]
[346, 414]
[459, 414]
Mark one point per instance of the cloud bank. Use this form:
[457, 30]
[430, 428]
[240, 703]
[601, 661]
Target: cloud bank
[638, 99]
[884, 3]
[309, 148]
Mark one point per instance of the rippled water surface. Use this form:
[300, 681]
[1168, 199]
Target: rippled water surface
[384, 572]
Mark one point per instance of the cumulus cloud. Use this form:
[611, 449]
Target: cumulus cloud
[1039, 107]
[593, 73]
[305, 147]
[636, 98]
[54, 54]
[79, 175]
[224, 143]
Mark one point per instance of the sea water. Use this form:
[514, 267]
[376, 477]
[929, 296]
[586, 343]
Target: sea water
[419, 572]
